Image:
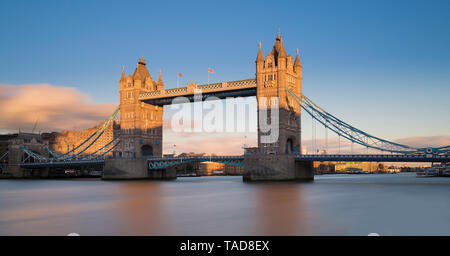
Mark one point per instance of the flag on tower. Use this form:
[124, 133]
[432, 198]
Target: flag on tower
[178, 79]
[210, 71]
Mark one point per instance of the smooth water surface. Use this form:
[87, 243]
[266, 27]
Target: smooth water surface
[387, 204]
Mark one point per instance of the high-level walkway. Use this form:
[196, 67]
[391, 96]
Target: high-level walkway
[240, 88]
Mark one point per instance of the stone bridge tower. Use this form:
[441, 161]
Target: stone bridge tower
[273, 74]
[140, 123]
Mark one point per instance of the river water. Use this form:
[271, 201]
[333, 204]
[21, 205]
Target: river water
[387, 204]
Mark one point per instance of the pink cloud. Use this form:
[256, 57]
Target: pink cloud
[54, 108]
[425, 141]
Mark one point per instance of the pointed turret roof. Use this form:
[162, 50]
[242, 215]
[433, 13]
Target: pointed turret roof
[260, 55]
[142, 61]
[123, 73]
[160, 78]
[278, 49]
[297, 60]
[141, 71]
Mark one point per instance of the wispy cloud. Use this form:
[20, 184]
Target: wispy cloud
[51, 107]
[425, 141]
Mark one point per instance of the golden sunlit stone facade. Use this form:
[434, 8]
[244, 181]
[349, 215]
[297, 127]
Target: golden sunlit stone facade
[65, 141]
[273, 74]
[141, 123]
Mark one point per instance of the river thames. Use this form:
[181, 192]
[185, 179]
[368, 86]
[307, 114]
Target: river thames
[387, 204]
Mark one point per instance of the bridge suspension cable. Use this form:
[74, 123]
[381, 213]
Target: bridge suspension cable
[355, 135]
[78, 150]
[98, 133]
[4, 155]
[116, 140]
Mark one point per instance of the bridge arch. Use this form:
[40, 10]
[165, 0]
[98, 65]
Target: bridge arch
[291, 147]
[146, 150]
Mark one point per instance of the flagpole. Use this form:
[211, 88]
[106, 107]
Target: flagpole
[178, 81]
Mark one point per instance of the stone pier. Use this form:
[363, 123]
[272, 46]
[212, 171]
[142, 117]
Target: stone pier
[32, 142]
[266, 167]
[130, 169]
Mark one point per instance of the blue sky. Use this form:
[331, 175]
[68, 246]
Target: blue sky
[384, 66]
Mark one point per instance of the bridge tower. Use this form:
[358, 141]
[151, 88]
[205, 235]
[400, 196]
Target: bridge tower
[140, 123]
[273, 74]
[276, 161]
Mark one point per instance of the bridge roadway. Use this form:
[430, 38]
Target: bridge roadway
[374, 158]
[63, 164]
[161, 162]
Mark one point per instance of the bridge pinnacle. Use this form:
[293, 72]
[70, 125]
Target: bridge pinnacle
[297, 60]
[260, 56]
[142, 61]
[123, 73]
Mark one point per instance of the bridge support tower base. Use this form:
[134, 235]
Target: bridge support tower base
[276, 168]
[130, 169]
[15, 155]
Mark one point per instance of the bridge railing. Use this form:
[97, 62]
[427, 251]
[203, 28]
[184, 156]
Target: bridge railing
[176, 158]
[163, 162]
[206, 88]
[375, 157]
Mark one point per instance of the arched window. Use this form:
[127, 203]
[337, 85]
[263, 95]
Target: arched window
[146, 150]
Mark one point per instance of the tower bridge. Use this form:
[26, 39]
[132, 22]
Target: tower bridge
[137, 145]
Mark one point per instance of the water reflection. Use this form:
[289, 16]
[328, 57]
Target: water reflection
[281, 209]
[331, 205]
[141, 208]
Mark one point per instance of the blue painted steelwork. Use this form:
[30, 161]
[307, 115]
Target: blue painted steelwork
[355, 135]
[67, 157]
[109, 150]
[33, 155]
[66, 164]
[161, 162]
[99, 132]
[4, 155]
[376, 158]
[221, 95]
[116, 140]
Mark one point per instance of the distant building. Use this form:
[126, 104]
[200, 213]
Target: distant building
[251, 151]
[365, 166]
[213, 168]
[192, 154]
[304, 150]
[210, 168]
[6, 140]
[65, 141]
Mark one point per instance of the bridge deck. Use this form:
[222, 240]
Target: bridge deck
[374, 158]
[160, 161]
[63, 164]
[240, 88]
